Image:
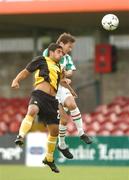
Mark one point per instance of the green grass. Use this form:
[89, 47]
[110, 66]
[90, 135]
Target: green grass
[67, 173]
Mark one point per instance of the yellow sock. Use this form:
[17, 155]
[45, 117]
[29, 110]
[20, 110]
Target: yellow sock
[26, 125]
[51, 144]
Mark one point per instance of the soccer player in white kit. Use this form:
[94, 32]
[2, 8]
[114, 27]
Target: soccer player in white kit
[66, 99]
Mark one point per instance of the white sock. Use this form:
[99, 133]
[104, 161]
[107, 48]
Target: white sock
[61, 137]
[77, 118]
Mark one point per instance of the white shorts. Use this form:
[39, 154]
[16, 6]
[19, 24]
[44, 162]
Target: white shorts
[62, 94]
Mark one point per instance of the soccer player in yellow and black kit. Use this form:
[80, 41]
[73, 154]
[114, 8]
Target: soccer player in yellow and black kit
[43, 102]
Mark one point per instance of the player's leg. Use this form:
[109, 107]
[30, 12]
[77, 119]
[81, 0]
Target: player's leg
[62, 147]
[62, 127]
[51, 144]
[61, 94]
[67, 100]
[77, 118]
[51, 118]
[26, 123]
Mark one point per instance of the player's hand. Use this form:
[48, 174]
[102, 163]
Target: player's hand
[15, 84]
[68, 73]
[67, 81]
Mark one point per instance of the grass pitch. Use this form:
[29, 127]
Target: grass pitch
[11, 172]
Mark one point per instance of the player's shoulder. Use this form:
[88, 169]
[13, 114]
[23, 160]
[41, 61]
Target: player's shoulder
[69, 59]
[38, 58]
[68, 56]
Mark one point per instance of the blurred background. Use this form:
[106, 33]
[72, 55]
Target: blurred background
[101, 82]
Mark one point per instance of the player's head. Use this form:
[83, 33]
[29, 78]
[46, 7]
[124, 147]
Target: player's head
[66, 41]
[55, 51]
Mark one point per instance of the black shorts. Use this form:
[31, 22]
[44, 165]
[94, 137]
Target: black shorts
[48, 107]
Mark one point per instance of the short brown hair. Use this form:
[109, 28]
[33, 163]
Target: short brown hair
[53, 47]
[65, 38]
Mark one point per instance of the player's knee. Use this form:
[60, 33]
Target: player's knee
[64, 121]
[70, 103]
[33, 111]
[53, 129]
[54, 132]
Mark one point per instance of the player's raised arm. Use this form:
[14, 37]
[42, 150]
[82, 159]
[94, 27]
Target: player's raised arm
[30, 68]
[22, 75]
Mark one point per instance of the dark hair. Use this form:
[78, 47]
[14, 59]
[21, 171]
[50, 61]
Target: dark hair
[65, 38]
[53, 47]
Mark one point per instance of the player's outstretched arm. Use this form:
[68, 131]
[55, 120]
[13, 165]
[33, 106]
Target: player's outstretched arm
[21, 76]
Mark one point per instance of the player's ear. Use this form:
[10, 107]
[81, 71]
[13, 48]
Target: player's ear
[50, 53]
[61, 44]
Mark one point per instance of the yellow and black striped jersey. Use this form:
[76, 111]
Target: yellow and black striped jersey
[45, 70]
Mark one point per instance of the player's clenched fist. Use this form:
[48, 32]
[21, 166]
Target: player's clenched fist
[15, 84]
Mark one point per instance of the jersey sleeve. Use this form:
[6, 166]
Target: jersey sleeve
[35, 64]
[70, 65]
[45, 53]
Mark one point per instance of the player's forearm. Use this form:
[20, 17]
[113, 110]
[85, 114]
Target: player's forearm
[22, 75]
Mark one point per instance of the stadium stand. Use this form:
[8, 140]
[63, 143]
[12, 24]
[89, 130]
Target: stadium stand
[110, 119]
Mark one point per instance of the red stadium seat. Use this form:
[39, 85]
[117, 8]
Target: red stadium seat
[103, 132]
[3, 127]
[117, 132]
[91, 132]
[12, 112]
[14, 127]
[126, 132]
